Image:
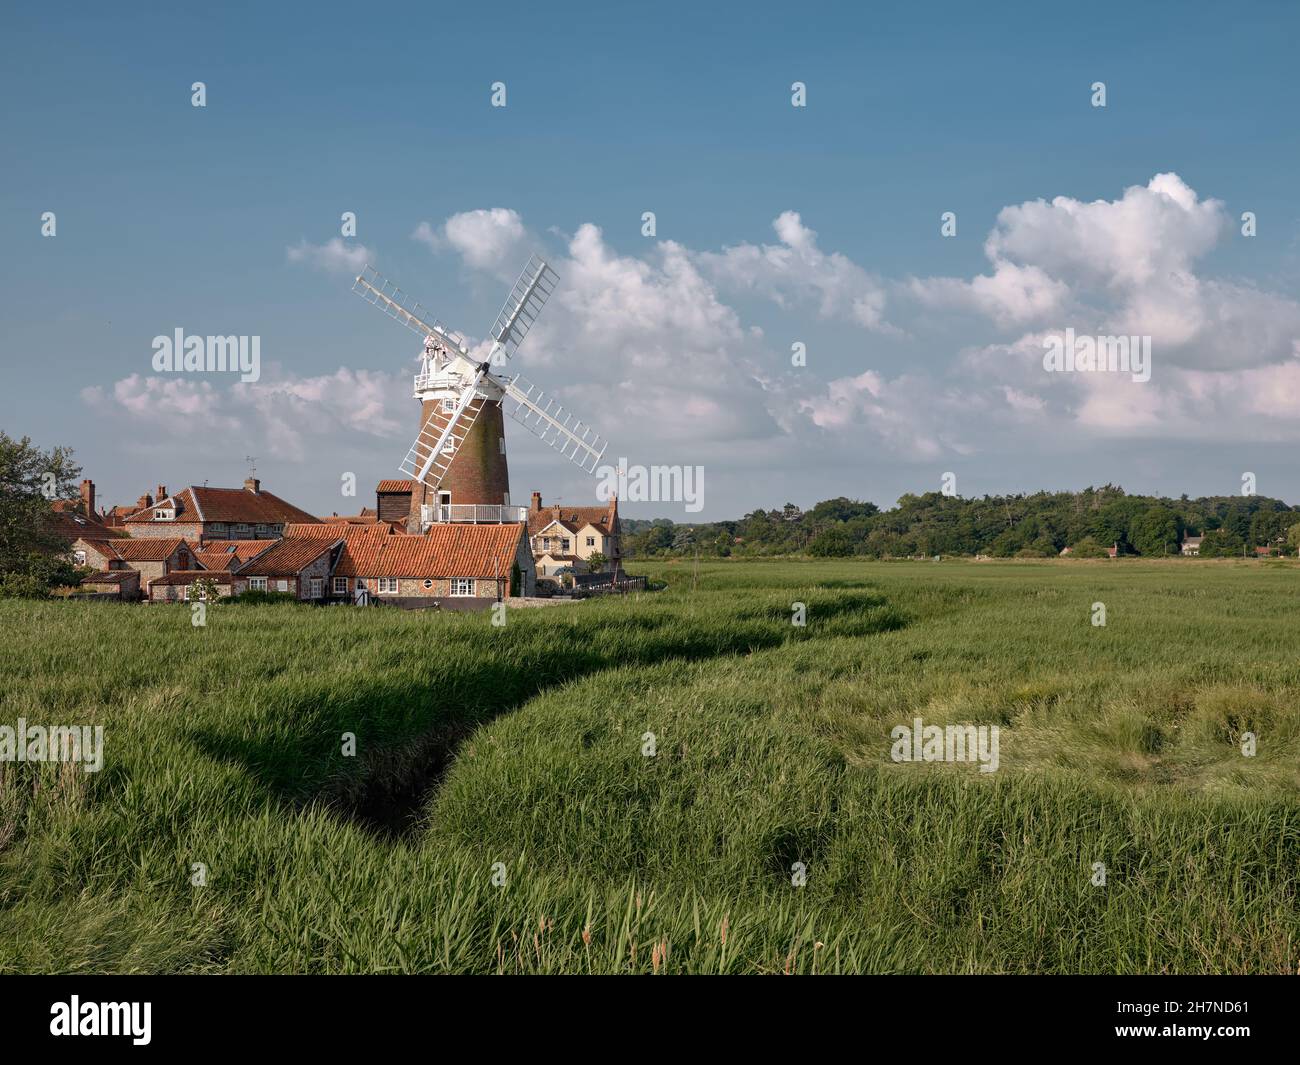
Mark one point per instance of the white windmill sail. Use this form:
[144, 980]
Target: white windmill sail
[390, 299]
[521, 309]
[546, 419]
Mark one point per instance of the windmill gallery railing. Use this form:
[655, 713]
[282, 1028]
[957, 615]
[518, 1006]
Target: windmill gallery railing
[473, 513]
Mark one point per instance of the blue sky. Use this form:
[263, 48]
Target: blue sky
[676, 347]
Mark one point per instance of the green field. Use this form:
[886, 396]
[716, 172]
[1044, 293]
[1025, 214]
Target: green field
[522, 745]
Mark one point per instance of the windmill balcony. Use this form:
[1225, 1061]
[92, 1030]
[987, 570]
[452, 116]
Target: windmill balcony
[436, 381]
[474, 513]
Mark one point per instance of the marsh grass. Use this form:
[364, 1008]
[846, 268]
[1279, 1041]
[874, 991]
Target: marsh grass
[515, 753]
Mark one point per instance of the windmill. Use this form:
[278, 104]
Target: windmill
[458, 460]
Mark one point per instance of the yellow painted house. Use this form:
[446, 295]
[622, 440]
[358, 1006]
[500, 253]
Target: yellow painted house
[564, 538]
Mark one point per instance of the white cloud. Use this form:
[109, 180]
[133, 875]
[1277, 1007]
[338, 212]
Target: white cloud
[494, 240]
[1011, 295]
[797, 270]
[284, 415]
[333, 256]
[1150, 232]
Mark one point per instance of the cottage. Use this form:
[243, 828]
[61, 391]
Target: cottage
[201, 513]
[113, 584]
[151, 559]
[178, 585]
[564, 538]
[1192, 545]
[459, 566]
[298, 565]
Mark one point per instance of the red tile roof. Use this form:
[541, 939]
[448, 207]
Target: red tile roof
[399, 486]
[573, 518]
[219, 554]
[67, 522]
[189, 576]
[335, 530]
[444, 551]
[230, 505]
[289, 556]
[112, 576]
[148, 549]
[366, 517]
[145, 549]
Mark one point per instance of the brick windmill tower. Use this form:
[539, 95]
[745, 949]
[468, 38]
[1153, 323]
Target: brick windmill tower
[458, 460]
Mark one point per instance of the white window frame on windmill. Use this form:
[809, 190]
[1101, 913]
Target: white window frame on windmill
[448, 371]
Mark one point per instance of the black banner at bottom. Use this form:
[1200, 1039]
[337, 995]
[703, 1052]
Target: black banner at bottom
[143, 1013]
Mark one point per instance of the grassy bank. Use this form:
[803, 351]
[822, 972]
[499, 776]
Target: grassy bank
[500, 814]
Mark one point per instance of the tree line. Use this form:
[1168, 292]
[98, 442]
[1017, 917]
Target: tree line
[1039, 525]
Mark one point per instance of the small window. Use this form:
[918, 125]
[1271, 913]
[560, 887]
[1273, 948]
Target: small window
[428, 583]
[317, 587]
[281, 586]
[448, 404]
[591, 541]
[257, 584]
[387, 585]
[462, 586]
[565, 544]
[340, 586]
[185, 592]
[80, 557]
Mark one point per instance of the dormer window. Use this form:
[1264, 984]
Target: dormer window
[164, 514]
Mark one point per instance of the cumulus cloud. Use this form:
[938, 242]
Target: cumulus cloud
[1011, 295]
[333, 256]
[493, 240]
[1150, 232]
[284, 414]
[1222, 348]
[797, 270]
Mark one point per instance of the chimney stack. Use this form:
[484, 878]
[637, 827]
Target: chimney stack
[88, 497]
[253, 485]
[537, 502]
[162, 493]
[145, 500]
